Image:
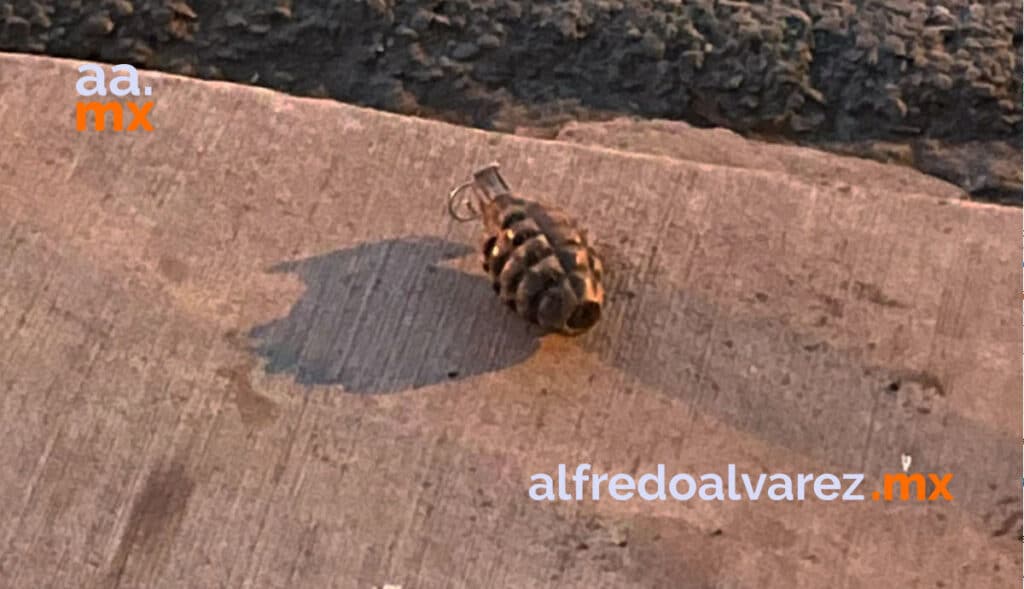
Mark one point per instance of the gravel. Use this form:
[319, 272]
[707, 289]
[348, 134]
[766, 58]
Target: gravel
[938, 76]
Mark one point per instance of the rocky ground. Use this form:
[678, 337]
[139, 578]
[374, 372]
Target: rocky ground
[935, 84]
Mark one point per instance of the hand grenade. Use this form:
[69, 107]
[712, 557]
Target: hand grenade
[539, 261]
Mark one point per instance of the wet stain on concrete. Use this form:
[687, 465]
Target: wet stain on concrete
[872, 293]
[155, 518]
[253, 408]
[173, 269]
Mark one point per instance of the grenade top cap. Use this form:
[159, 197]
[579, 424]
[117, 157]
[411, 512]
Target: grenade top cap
[490, 182]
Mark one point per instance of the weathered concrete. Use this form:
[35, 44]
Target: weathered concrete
[722, 147]
[245, 350]
[988, 171]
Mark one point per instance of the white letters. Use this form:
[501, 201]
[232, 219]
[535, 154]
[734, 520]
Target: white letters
[598, 479]
[93, 81]
[781, 490]
[580, 478]
[546, 485]
[754, 493]
[627, 483]
[711, 487]
[857, 479]
[715, 484]
[133, 81]
[659, 478]
[98, 79]
[819, 486]
[691, 487]
[562, 494]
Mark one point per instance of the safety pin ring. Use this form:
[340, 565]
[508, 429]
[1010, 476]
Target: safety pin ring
[454, 202]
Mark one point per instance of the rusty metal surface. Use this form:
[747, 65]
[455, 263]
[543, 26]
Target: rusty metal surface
[250, 349]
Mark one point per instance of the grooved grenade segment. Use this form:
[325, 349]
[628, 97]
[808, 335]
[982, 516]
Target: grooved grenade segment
[538, 259]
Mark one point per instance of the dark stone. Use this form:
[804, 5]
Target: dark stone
[815, 71]
[465, 51]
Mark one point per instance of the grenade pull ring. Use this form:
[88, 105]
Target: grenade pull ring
[487, 184]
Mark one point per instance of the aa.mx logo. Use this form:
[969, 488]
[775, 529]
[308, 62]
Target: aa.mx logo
[92, 82]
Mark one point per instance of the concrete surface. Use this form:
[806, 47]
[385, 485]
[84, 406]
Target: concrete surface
[722, 147]
[986, 171]
[246, 350]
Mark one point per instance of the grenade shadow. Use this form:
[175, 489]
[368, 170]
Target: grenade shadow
[384, 317]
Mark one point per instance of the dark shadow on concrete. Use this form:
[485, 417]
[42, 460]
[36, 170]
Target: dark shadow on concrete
[384, 317]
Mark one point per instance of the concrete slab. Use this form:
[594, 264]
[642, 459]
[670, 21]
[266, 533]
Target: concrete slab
[722, 147]
[249, 350]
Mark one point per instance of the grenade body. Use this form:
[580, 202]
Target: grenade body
[541, 265]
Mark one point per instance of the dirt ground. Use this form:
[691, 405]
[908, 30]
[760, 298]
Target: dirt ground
[935, 85]
[249, 349]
